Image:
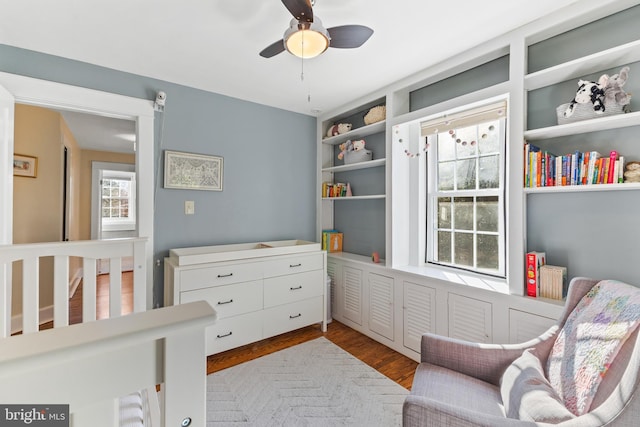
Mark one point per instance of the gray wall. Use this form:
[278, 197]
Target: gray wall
[269, 157]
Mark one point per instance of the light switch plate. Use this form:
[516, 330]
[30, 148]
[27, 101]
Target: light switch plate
[189, 207]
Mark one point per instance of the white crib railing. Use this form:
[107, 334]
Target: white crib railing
[90, 251]
[89, 365]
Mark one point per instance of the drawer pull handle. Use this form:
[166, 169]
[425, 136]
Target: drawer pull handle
[225, 302]
[296, 288]
[295, 265]
[224, 275]
[225, 335]
[295, 316]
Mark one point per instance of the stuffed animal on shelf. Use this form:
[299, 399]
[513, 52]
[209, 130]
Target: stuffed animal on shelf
[632, 172]
[589, 92]
[339, 129]
[344, 147]
[358, 145]
[613, 93]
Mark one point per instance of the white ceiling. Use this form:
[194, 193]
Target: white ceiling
[214, 44]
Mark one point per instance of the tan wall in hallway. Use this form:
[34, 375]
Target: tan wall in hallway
[89, 156]
[37, 202]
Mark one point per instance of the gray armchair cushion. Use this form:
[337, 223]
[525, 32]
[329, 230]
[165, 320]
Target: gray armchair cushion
[528, 395]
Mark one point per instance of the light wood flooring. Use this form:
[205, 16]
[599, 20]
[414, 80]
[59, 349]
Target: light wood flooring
[390, 363]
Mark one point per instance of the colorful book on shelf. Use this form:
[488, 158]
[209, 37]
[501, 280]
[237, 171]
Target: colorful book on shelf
[533, 262]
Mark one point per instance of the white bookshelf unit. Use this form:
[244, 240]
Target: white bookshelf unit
[362, 291]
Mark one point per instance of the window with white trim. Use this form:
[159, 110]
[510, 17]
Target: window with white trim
[465, 190]
[117, 204]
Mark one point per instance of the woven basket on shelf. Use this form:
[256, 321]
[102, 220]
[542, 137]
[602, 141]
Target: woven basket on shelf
[357, 156]
[375, 115]
[586, 112]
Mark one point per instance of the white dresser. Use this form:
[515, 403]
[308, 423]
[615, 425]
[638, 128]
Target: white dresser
[257, 289]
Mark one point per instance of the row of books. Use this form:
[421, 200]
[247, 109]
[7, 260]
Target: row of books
[338, 189]
[544, 169]
[331, 241]
[543, 280]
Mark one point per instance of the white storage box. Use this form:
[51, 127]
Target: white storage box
[357, 156]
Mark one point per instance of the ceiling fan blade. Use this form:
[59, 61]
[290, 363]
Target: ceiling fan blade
[349, 36]
[300, 9]
[273, 49]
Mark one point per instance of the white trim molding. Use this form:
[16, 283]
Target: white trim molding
[44, 93]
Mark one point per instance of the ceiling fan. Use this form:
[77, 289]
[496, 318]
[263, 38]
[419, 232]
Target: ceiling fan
[306, 37]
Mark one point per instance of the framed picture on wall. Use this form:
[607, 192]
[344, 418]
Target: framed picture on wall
[25, 165]
[192, 171]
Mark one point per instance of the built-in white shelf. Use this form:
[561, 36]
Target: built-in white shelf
[355, 166]
[584, 126]
[369, 197]
[355, 134]
[581, 188]
[580, 67]
[354, 257]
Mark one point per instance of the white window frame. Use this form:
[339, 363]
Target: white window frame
[432, 194]
[120, 224]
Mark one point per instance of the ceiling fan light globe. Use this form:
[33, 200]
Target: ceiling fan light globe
[306, 41]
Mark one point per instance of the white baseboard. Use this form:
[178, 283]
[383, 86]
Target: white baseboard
[45, 315]
[75, 282]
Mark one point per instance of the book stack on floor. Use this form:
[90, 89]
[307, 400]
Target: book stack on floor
[544, 169]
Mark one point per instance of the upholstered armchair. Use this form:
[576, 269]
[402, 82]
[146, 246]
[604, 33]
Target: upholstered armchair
[460, 383]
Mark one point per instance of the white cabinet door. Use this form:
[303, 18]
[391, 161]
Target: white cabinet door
[381, 305]
[419, 313]
[524, 326]
[351, 303]
[470, 319]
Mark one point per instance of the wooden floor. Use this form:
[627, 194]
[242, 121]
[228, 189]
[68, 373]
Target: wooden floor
[390, 363]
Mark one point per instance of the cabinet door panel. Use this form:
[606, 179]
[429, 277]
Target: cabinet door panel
[419, 313]
[352, 294]
[381, 305]
[524, 326]
[470, 319]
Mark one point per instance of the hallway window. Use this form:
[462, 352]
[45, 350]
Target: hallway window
[118, 200]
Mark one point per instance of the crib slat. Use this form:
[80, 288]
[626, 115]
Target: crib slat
[88, 289]
[139, 278]
[115, 287]
[30, 294]
[60, 291]
[5, 300]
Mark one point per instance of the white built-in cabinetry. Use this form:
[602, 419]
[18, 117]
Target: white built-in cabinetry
[397, 300]
[257, 289]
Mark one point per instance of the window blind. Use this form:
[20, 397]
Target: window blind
[465, 118]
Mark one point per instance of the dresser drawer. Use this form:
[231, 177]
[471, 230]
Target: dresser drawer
[229, 300]
[288, 317]
[292, 264]
[294, 287]
[233, 332]
[205, 277]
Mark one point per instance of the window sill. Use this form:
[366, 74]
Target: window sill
[464, 278]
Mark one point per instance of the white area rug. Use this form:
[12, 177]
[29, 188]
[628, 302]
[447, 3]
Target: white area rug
[311, 384]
